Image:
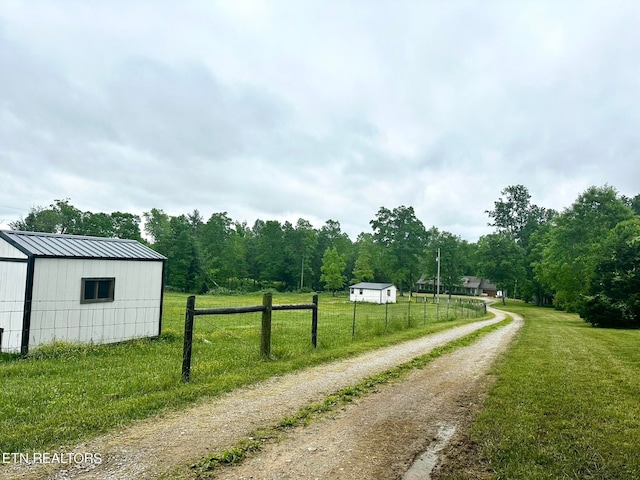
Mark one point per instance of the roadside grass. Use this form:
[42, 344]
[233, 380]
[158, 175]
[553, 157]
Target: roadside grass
[566, 403]
[65, 393]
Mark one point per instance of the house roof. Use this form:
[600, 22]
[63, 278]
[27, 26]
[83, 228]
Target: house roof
[471, 282]
[372, 286]
[468, 281]
[76, 246]
[487, 285]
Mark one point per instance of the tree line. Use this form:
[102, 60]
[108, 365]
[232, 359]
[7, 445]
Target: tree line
[585, 259]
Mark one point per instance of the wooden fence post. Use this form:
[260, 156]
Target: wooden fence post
[424, 313]
[386, 316]
[188, 338]
[353, 326]
[314, 322]
[265, 336]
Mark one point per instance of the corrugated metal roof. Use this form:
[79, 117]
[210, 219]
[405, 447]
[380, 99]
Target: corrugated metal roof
[372, 286]
[76, 246]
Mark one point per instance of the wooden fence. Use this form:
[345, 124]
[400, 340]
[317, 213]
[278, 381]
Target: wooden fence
[266, 308]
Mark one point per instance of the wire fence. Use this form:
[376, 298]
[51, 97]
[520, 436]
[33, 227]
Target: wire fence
[342, 320]
[66, 321]
[339, 321]
[221, 340]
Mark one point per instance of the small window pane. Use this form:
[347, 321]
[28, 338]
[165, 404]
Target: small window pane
[97, 290]
[104, 289]
[89, 289]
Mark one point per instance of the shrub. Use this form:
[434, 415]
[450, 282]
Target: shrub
[614, 296]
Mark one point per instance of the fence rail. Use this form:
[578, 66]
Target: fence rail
[266, 308]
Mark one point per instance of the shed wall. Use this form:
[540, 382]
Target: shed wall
[373, 296]
[13, 281]
[9, 251]
[392, 298]
[57, 313]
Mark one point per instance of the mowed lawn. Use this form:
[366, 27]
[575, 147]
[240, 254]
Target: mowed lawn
[566, 403]
[65, 393]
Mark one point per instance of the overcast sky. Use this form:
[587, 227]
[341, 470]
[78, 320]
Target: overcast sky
[319, 110]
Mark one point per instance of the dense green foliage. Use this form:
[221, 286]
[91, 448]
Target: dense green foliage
[333, 265]
[573, 247]
[402, 238]
[576, 259]
[61, 217]
[585, 258]
[614, 299]
[220, 254]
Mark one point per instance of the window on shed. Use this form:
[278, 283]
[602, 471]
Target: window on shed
[97, 290]
[360, 291]
[352, 290]
[389, 293]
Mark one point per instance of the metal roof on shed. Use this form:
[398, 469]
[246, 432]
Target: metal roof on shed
[372, 286]
[76, 246]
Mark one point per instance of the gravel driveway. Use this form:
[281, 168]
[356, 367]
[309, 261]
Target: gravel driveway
[379, 436]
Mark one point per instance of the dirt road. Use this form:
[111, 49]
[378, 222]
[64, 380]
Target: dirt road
[379, 436]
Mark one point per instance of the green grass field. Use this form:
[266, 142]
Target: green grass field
[62, 394]
[566, 403]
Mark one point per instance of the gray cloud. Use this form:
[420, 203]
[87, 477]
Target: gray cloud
[316, 110]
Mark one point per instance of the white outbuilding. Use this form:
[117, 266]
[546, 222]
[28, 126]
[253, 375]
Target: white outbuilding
[373, 292]
[77, 289]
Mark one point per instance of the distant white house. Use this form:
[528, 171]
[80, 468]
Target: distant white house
[77, 289]
[373, 292]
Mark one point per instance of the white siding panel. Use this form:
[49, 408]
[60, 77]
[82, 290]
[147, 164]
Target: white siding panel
[71, 319]
[13, 281]
[57, 288]
[9, 251]
[374, 296]
[44, 334]
[85, 324]
[119, 328]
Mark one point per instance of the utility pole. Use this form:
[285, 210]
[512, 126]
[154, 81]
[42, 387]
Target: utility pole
[302, 274]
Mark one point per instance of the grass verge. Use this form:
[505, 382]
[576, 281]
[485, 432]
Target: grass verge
[566, 403]
[62, 394]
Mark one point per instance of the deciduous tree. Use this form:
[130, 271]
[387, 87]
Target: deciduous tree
[363, 268]
[333, 265]
[403, 236]
[330, 235]
[573, 245]
[515, 215]
[502, 260]
[614, 294]
[270, 252]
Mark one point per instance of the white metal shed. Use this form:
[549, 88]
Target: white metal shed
[373, 292]
[77, 289]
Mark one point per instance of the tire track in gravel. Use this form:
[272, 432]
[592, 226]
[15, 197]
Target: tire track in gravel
[392, 434]
[149, 448]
